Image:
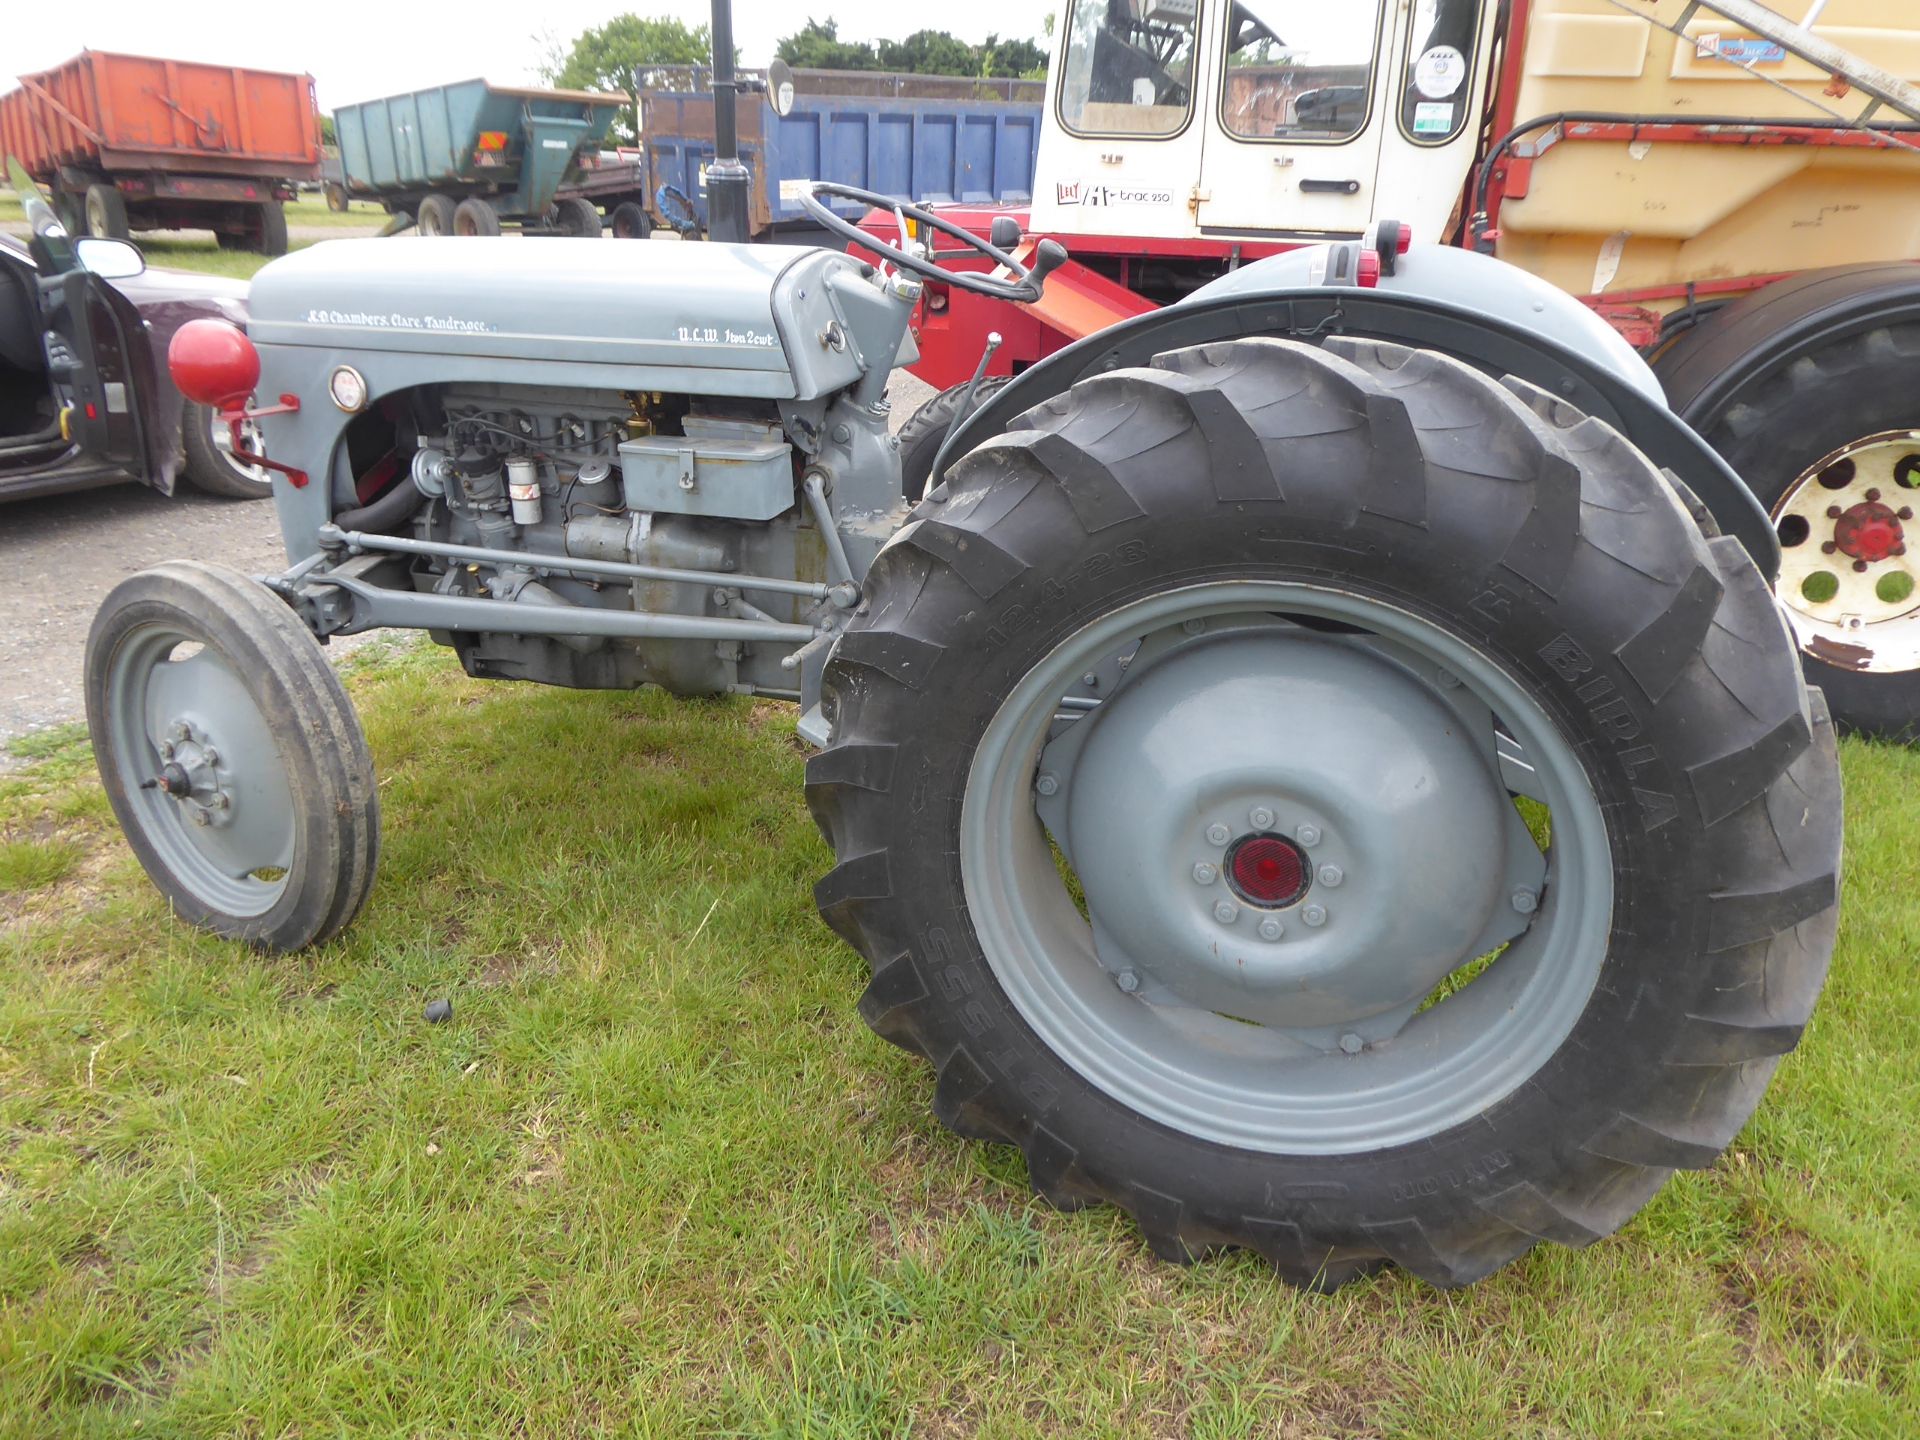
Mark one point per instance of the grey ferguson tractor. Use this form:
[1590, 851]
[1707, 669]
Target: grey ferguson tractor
[1321, 768]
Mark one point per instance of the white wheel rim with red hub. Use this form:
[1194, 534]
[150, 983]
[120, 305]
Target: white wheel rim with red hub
[1849, 576]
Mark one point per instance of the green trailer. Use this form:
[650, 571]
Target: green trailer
[462, 159]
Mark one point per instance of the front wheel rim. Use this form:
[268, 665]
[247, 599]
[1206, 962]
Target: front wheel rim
[1323, 1089]
[1850, 587]
[202, 773]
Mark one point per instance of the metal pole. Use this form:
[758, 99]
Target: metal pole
[726, 177]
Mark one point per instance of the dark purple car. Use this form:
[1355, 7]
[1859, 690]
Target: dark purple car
[85, 398]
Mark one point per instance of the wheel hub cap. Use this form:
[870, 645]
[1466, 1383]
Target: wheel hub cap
[1285, 828]
[1869, 532]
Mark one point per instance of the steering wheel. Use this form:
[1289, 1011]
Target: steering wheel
[1023, 288]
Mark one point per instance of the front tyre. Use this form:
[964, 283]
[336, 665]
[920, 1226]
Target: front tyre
[1328, 803]
[232, 756]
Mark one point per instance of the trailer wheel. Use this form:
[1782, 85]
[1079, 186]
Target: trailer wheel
[434, 215]
[106, 213]
[926, 430]
[474, 216]
[1328, 803]
[336, 197]
[208, 441]
[1829, 442]
[577, 217]
[630, 221]
[269, 236]
[232, 756]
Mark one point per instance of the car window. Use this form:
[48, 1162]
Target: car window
[1129, 67]
[1299, 69]
[1438, 83]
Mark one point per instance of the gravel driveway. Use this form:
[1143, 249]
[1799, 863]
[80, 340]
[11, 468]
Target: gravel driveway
[62, 554]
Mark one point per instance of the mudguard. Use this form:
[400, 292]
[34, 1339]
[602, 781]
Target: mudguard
[1504, 328]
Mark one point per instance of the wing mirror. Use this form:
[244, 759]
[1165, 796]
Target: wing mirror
[109, 259]
[780, 88]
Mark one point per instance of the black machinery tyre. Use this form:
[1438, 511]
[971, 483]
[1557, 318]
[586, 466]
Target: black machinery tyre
[336, 194]
[474, 216]
[232, 756]
[269, 233]
[434, 215]
[630, 221]
[231, 240]
[106, 213]
[1638, 666]
[208, 441]
[577, 217]
[1827, 435]
[926, 429]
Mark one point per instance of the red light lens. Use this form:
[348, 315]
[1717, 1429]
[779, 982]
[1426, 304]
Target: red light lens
[213, 363]
[1267, 870]
[1369, 275]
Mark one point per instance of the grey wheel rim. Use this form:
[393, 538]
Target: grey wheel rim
[1154, 1039]
[199, 764]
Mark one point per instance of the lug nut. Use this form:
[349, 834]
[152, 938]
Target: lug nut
[1128, 980]
[1314, 915]
[1271, 928]
[1827, 547]
[1218, 834]
[1352, 1043]
[1525, 901]
[201, 817]
[1193, 627]
[182, 730]
[1226, 912]
[1047, 784]
[210, 756]
[1089, 678]
[1260, 817]
[1859, 567]
[1204, 874]
[166, 750]
[1308, 834]
[1834, 512]
[1905, 512]
[1873, 497]
[1331, 875]
[1446, 679]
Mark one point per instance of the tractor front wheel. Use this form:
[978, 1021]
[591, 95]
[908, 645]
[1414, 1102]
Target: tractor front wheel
[1330, 803]
[232, 756]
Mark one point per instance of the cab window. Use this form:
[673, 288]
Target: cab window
[1299, 70]
[1438, 83]
[1129, 67]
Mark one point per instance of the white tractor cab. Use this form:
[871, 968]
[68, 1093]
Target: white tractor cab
[1262, 120]
[1730, 190]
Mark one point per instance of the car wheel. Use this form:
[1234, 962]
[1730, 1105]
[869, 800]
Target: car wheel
[210, 464]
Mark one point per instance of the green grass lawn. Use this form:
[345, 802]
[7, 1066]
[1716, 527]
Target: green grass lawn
[656, 1178]
[197, 249]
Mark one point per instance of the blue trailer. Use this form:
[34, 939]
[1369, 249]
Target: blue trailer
[462, 158]
[920, 137]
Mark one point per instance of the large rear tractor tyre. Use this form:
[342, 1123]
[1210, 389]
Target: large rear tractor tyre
[1329, 803]
[1830, 444]
[232, 756]
[106, 213]
[208, 442]
[434, 216]
[926, 430]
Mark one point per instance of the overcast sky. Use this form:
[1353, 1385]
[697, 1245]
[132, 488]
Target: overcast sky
[360, 49]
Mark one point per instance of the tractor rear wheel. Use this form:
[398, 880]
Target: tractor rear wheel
[232, 756]
[1329, 803]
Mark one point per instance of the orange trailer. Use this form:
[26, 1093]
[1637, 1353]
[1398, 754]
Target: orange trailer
[129, 142]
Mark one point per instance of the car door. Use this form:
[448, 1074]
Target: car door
[1296, 116]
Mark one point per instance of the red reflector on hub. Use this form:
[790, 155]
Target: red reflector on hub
[1267, 870]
